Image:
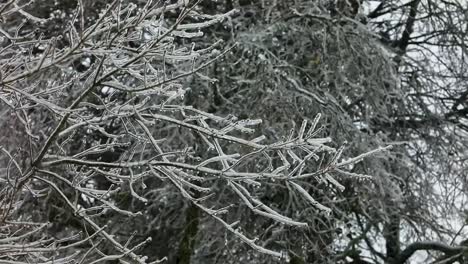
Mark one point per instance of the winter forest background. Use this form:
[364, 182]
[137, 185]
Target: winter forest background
[233, 131]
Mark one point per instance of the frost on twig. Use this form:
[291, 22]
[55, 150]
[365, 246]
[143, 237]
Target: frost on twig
[103, 122]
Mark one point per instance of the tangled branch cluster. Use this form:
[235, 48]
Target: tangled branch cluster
[98, 114]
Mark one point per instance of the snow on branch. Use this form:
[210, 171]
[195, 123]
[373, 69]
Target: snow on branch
[105, 113]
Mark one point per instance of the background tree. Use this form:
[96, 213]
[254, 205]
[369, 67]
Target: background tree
[392, 72]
